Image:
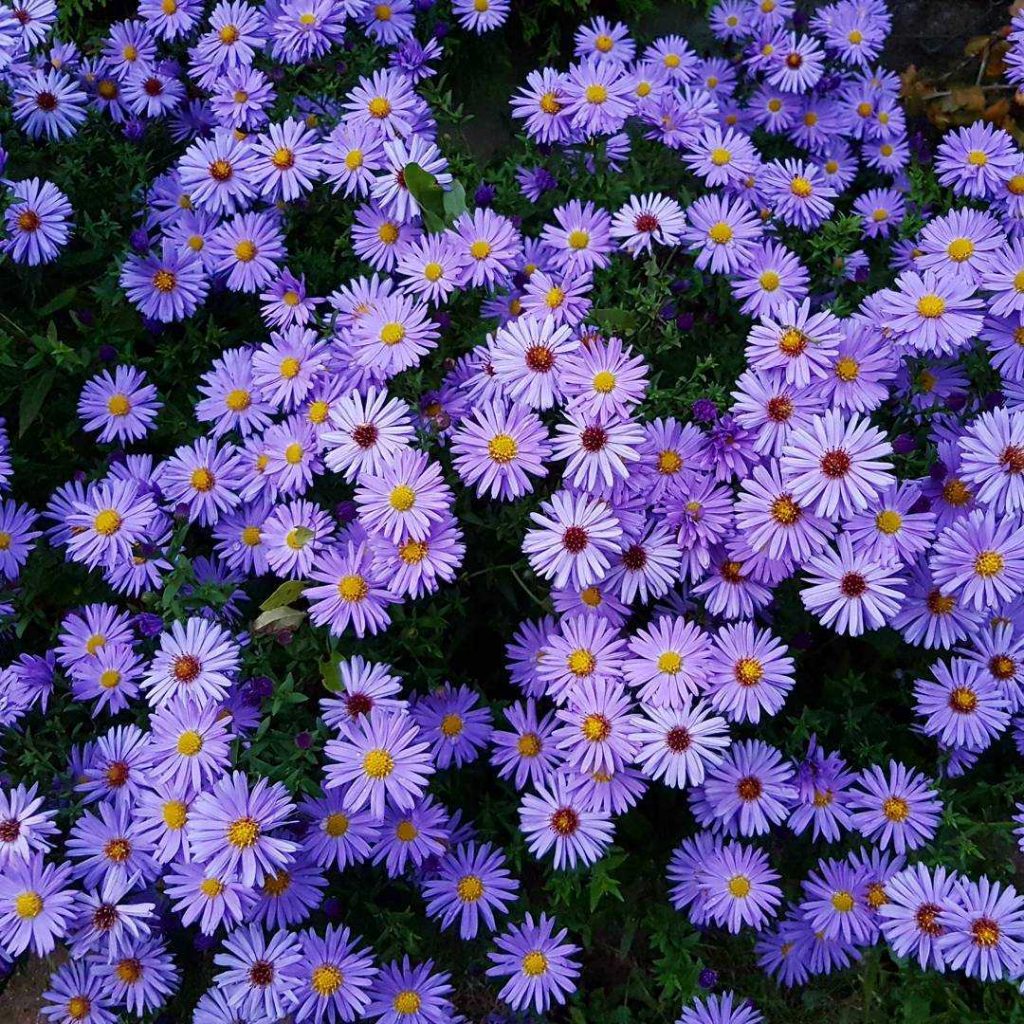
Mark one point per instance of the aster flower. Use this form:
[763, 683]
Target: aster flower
[407, 993]
[336, 975]
[107, 922]
[36, 905]
[983, 930]
[538, 963]
[379, 761]
[48, 103]
[141, 979]
[751, 787]
[980, 559]
[105, 524]
[37, 222]
[167, 287]
[259, 976]
[233, 826]
[247, 249]
[677, 744]
[722, 233]
[795, 341]
[25, 826]
[527, 359]
[472, 884]
[647, 219]
[199, 895]
[286, 161]
[836, 464]
[900, 810]
[573, 540]
[910, 916]
[800, 195]
[412, 837]
[198, 658]
[409, 495]
[749, 672]
[737, 888]
[973, 160]
[670, 662]
[335, 836]
[189, 743]
[835, 902]
[526, 752]
[555, 818]
[961, 707]
[456, 729]
[932, 314]
[76, 993]
[720, 1009]
[850, 591]
[120, 407]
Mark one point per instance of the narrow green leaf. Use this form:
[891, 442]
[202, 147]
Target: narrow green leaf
[32, 398]
[287, 592]
[59, 301]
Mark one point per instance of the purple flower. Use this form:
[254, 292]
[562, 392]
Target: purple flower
[983, 930]
[37, 222]
[36, 905]
[538, 963]
[900, 810]
[407, 993]
[557, 818]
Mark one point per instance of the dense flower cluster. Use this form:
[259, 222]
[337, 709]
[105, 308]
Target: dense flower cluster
[664, 540]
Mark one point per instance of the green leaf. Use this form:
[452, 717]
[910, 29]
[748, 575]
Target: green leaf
[423, 187]
[289, 591]
[455, 201]
[618, 321]
[330, 674]
[279, 619]
[32, 399]
[59, 301]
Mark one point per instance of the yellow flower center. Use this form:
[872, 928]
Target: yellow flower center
[412, 552]
[528, 744]
[549, 103]
[847, 369]
[175, 814]
[748, 671]
[578, 239]
[604, 382]
[801, 187]
[79, 1006]
[402, 498]
[406, 831]
[243, 833]
[28, 905]
[502, 448]
[251, 536]
[596, 93]
[535, 963]
[433, 271]
[739, 886]
[976, 158]
[326, 979]
[604, 43]
[896, 809]
[107, 522]
[842, 901]
[720, 233]
[202, 479]
[190, 743]
[110, 678]
[480, 249]
[378, 764]
[669, 662]
[596, 728]
[388, 233]
[889, 521]
[392, 333]
[960, 249]
[246, 250]
[988, 564]
[353, 588]
[118, 405]
[581, 662]
[470, 888]
[931, 306]
[336, 824]
[379, 107]
[407, 1003]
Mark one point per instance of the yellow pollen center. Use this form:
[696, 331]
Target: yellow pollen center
[28, 905]
[842, 901]
[669, 662]
[801, 187]
[388, 233]
[988, 564]
[480, 249]
[246, 250]
[470, 888]
[581, 662]
[353, 588]
[502, 448]
[402, 498]
[535, 963]
[720, 233]
[407, 1003]
[528, 745]
[175, 814]
[604, 382]
[847, 369]
[960, 249]
[739, 886]
[748, 671]
[889, 521]
[243, 833]
[326, 979]
[378, 764]
[976, 158]
[578, 239]
[336, 824]
[596, 93]
[202, 479]
[931, 306]
[896, 809]
[107, 522]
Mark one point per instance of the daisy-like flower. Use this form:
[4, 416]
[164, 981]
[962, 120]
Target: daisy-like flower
[285, 368]
[677, 744]
[670, 662]
[980, 559]
[528, 355]
[408, 993]
[77, 994]
[836, 465]
[430, 268]
[605, 377]
[394, 335]
[965, 244]
[910, 915]
[488, 247]
[105, 525]
[992, 459]
[573, 540]
[472, 886]
[771, 278]
[247, 249]
[598, 722]
[199, 895]
[107, 922]
[350, 591]
[932, 314]
[286, 161]
[597, 96]
[142, 979]
[198, 659]
[849, 591]
[558, 818]
[750, 671]
[204, 478]
[528, 749]
[596, 448]
[48, 103]
[335, 836]
[960, 707]
[336, 976]
[835, 902]
[974, 161]
[726, 1008]
[721, 232]
[408, 496]
[984, 930]
[259, 976]
[800, 195]
[188, 743]
[646, 220]
[794, 340]
[37, 905]
[899, 810]
[235, 828]
[381, 760]
[750, 789]
[772, 521]
[890, 531]
[25, 826]
[737, 888]
[455, 727]
[37, 222]
[368, 431]
[121, 407]
[167, 287]
[537, 962]
[218, 172]
[499, 448]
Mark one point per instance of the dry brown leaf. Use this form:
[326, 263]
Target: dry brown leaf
[976, 45]
[970, 97]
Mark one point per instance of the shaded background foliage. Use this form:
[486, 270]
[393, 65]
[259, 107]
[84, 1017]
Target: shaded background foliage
[60, 324]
